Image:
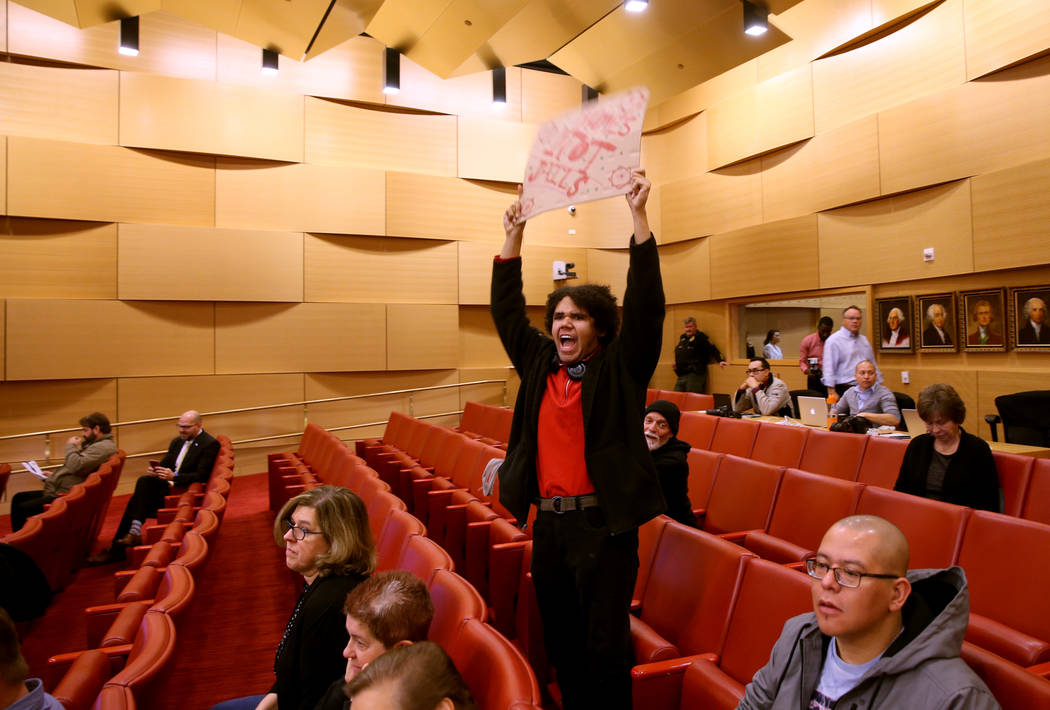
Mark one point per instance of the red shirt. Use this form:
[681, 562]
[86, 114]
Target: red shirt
[560, 463]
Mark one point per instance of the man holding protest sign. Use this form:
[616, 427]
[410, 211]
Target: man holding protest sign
[577, 452]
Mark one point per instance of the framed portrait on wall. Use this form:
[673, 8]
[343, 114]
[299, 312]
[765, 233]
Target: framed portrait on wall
[982, 317]
[893, 318]
[935, 323]
[1029, 329]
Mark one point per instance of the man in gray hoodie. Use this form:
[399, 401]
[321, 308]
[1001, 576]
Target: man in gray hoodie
[879, 636]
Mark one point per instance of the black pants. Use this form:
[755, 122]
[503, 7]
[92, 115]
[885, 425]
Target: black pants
[25, 505]
[145, 502]
[584, 579]
[813, 382]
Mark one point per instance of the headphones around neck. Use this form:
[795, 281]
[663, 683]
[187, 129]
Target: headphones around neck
[575, 371]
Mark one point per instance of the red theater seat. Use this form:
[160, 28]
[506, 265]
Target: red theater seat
[648, 540]
[703, 467]
[113, 697]
[779, 444]
[734, 436]
[1014, 472]
[696, 402]
[742, 496]
[421, 556]
[454, 600]
[496, 673]
[686, 602]
[1009, 614]
[882, 461]
[1037, 501]
[697, 429]
[832, 453]
[399, 526]
[379, 509]
[934, 529]
[1013, 687]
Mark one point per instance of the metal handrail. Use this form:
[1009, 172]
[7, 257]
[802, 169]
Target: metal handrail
[303, 403]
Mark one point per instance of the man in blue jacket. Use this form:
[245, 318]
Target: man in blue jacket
[578, 453]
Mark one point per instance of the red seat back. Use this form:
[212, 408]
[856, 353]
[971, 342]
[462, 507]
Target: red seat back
[697, 429]
[399, 526]
[882, 461]
[833, 453]
[473, 418]
[703, 466]
[1014, 471]
[379, 509]
[454, 600]
[675, 398]
[648, 540]
[651, 396]
[994, 548]
[808, 504]
[779, 444]
[734, 436]
[689, 559]
[1014, 687]
[153, 647]
[1037, 500]
[934, 529]
[435, 442]
[466, 462]
[421, 556]
[696, 402]
[496, 673]
[742, 495]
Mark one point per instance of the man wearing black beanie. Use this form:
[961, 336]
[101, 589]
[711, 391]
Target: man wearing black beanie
[669, 456]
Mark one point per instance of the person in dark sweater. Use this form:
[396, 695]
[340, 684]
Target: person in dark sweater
[947, 463]
[669, 456]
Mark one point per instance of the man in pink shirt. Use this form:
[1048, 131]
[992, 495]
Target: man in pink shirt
[811, 353]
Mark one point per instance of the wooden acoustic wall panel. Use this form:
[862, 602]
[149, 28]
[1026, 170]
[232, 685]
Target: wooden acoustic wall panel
[3, 331]
[607, 224]
[546, 95]
[338, 134]
[475, 271]
[717, 201]
[65, 104]
[979, 127]
[609, 267]
[422, 336]
[815, 27]
[108, 339]
[932, 370]
[770, 258]
[108, 183]
[3, 27]
[493, 150]
[1011, 214]
[702, 96]
[150, 397]
[380, 270]
[919, 59]
[999, 34]
[469, 95]
[883, 240]
[499, 394]
[352, 70]
[479, 343]
[686, 271]
[446, 208]
[829, 170]
[306, 337]
[168, 44]
[676, 152]
[378, 409]
[251, 194]
[58, 404]
[57, 259]
[769, 115]
[209, 117]
[537, 270]
[207, 264]
[3, 174]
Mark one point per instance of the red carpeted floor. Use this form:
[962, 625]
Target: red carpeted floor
[226, 638]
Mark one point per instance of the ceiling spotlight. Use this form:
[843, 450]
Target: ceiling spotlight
[269, 62]
[129, 36]
[636, 5]
[392, 71]
[756, 19]
[499, 87]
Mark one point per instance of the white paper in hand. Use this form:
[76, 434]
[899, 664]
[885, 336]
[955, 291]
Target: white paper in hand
[585, 155]
[34, 469]
[488, 477]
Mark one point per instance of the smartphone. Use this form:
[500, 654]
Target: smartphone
[154, 463]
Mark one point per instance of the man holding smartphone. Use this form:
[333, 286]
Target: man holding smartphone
[189, 459]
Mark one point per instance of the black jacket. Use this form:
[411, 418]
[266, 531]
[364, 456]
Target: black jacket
[672, 466]
[971, 478]
[618, 460]
[197, 464]
[693, 353]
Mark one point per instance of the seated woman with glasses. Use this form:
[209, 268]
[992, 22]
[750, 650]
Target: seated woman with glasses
[326, 539]
[947, 463]
[761, 392]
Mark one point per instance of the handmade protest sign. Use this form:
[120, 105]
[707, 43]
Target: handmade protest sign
[586, 154]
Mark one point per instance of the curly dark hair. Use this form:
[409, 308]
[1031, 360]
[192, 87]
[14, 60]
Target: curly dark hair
[597, 300]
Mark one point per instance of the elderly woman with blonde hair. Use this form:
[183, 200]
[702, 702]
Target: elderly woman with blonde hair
[326, 539]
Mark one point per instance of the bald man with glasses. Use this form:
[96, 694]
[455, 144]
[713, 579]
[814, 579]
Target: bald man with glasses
[878, 636]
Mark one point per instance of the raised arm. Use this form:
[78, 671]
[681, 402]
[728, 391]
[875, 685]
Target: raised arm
[637, 196]
[514, 226]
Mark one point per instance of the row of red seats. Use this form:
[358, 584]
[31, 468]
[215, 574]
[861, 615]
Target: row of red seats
[685, 401]
[769, 509]
[486, 423]
[130, 641]
[60, 537]
[875, 460]
[499, 677]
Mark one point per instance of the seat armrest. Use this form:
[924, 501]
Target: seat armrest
[1041, 669]
[84, 679]
[736, 537]
[100, 618]
[59, 665]
[649, 646]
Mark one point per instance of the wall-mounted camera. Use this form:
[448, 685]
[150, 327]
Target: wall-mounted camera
[572, 209]
[562, 270]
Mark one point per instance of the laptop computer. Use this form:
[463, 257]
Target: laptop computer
[813, 411]
[913, 421]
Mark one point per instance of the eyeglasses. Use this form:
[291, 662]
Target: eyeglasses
[845, 577]
[755, 372]
[300, 533]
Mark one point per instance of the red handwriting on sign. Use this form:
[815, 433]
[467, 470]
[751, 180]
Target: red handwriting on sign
[566, 163]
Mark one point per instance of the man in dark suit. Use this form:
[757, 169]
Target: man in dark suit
[936, 334]
[985, 334]
[1035, 331]
[189, 459]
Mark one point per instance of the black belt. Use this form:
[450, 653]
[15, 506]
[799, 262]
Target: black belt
[563, 504]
